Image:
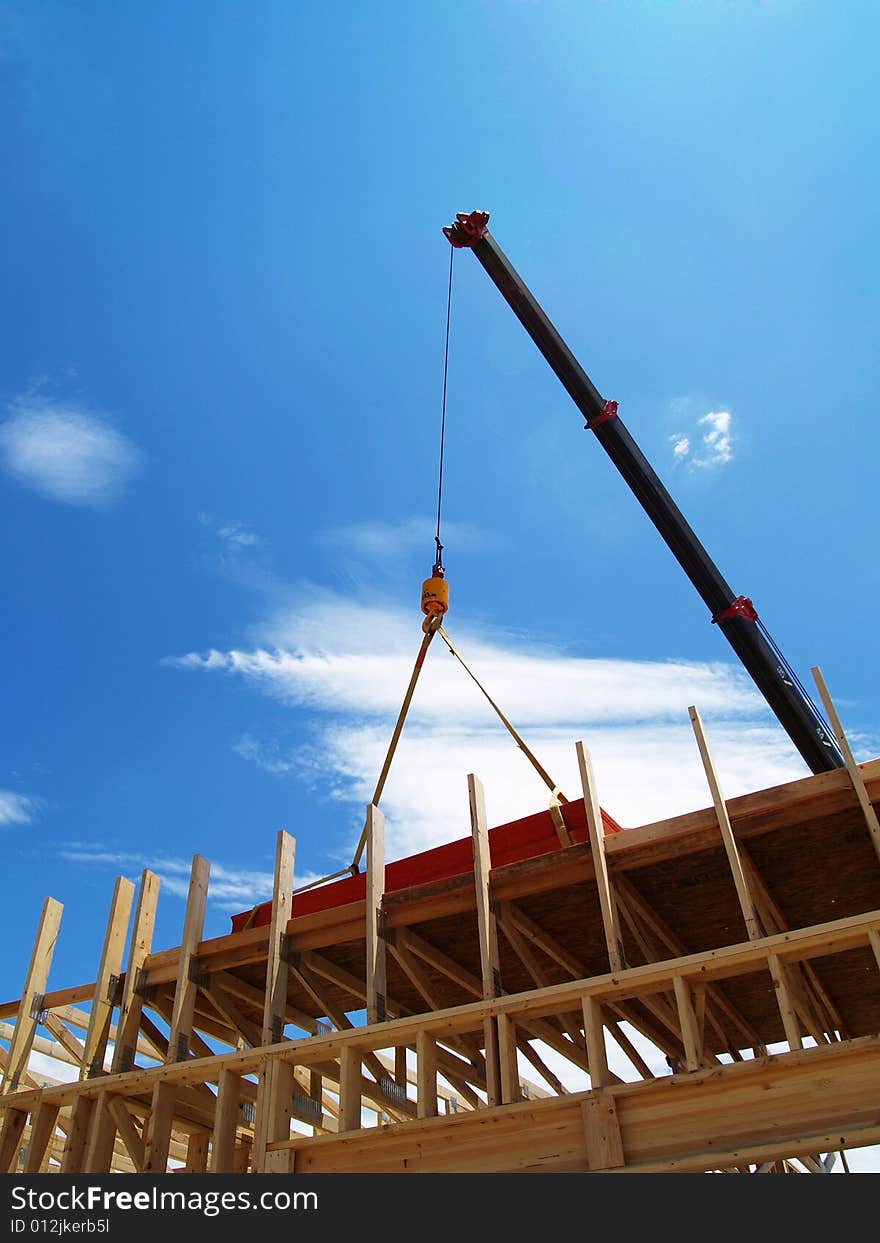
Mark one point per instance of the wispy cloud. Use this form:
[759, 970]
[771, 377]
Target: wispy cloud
[375, 542]
[67, 452]
[347, 668]
[267, 755]
[18, 808]
[229, 888]
[233, 536]
[710, 444]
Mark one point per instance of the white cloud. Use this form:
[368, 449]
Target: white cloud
[716, 440]
[712, 446]
[66, 452]
[17, 808]
[374, 542]
[348, 667]
[266, 755]
[230, 889]
[234, 536]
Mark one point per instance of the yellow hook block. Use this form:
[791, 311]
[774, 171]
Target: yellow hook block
[435, 602]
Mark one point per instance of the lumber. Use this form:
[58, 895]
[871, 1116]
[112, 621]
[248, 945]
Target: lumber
[185, 988]
[32, 1000]
[607, 900]
[374, 942]
[131, 1005]
[490, 962]
[853, 769]
[109, 970]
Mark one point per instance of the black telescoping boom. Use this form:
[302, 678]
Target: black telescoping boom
[734, 615]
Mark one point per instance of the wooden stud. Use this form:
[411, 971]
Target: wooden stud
[109, 970]
[12, 1131]
[607, 901]
[128, 1026]
[276, 967]
[31, 994]
[186, 987]
[44, 1121]
[426, 1075]
[602, 1131]
[507, 1045]
[490, 962]
[73, 1159]
[600, 1075]
[349, 1089]
[785, 1003]
[874, 939]
[774, 921]
[855, 773]
[226, 1120]
[274, 1115]
[158, 1129]
[128, 1132]
[690, 1029]
[102, 1137]
[375, 890]
[197, 1153]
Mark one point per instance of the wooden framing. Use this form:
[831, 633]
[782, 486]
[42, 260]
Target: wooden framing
[375, 944]
[746, 902]
[855, 773]
[607, 900]
[345, 1099]
[109, 969]
[32, 994]
[131, 1006]
[490, 962]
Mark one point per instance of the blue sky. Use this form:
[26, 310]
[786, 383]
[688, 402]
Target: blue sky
[223, 315]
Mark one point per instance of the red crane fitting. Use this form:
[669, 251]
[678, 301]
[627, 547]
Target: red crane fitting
[467, 229]
[740, 607]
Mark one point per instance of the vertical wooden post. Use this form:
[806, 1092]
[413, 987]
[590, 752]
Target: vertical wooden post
[276, 966]
[594, 1031]
[225, 1122]
[14, 1122]
[602, 1132]
[109, 970]
[349, 1089]
[186, 987]
[426, 1075]
[743, 893]
[375, 883]
[270, 1075]
[855, 773]
[316, 1092]
[73, 1160]
[43, 1123]
[607, 900]
[31, 994]
[488, 933]
[158, 1130]
[510, 1089]
[197, 1153]
[690, 1031]
[102, 1136]
[274, 1114]
[400, 1063]
[141, 942]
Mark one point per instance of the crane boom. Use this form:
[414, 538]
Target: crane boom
[734, 615]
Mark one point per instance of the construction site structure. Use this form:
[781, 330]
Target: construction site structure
[555, 994]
